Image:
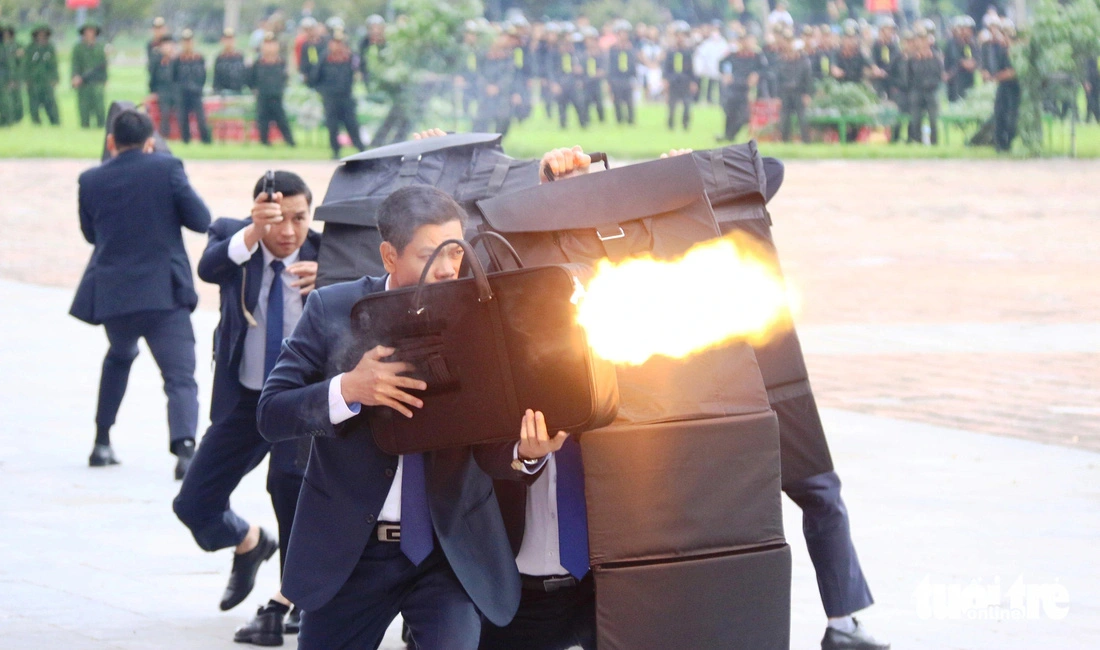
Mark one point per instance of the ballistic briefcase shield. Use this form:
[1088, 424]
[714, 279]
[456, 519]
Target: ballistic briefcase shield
[468, 166]
[489, 347]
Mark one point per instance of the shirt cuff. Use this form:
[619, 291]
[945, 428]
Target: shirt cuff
[529, 469]
[238, 252]
[339, 410]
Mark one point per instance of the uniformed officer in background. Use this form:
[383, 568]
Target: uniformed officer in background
[230, 69]
[40, 70]
[152, 46]
[268, 78]
[885, 60]
[1006, 104]
[495, 87]
[313, 50]
[622, 70]
[469, 67]
[523, 68]
[567, 80]
[679, 75]
[960, 60]
[7, 76]
[595, 71]
[12, 90]
[849, 64]
[795, 84]
[190, 78]
[162, 82]
[925, 74]
[370, 49]
[740, 72]
[334, 78]
[89, 64]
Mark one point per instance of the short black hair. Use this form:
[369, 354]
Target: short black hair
[414, 206]
[131, 128]
[289, 183]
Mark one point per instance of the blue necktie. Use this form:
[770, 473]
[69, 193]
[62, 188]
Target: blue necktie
[416, 519]
[572, 511]
[274, 318]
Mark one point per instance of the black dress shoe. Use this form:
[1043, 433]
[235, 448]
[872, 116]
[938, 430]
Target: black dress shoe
[245, 566]
[102, 456]
[293, 621]
[858, 639]
[265, 628]
[184, 451]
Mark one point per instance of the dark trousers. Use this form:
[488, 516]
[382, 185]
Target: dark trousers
[522, 110]
[340, 111]
[168, 103]
[792, 106]
[546, 93]
[1006, 114]
[548, 621]
[395, 128]
[191, 104]
[593, 97]
[825, 525]
[231, 448]
[736, 106]
[921, 103]
[679, 96]
[571, 96]
[493, 112]
[41, 96]
[1092, 102]
[268, 110]
[622, 97]
[172, 342]
[383, 584]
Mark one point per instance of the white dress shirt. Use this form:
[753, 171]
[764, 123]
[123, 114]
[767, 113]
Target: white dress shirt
[538, 553]
[255, 339]
[340, 411]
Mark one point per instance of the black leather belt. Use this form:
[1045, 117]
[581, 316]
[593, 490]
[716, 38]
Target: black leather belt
[547, 584]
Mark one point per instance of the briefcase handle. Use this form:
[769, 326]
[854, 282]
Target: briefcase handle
[504, 242]
[484, 291]
[598, 156]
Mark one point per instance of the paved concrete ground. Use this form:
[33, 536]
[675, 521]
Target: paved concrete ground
[951, 318]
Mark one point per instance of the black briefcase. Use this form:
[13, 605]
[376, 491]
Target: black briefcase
[489, 347]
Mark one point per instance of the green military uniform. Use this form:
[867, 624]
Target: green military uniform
[90, 67]
[7, 72]
[12, 92]
[40, 71]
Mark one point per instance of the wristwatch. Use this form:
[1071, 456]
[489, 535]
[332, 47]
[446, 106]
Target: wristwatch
[519, 464]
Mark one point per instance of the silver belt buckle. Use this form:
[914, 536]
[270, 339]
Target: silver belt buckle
[388, 532]
[554, 584]
[618, 235]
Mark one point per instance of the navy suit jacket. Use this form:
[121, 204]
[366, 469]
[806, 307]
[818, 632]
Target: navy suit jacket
[131, 209]
[348, 476]
[233, 280]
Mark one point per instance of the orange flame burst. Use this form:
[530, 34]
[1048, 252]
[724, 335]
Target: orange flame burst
[719, 291]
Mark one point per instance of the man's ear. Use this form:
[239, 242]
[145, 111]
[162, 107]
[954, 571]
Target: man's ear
[112, 148]
[389, 256]
[150, 145]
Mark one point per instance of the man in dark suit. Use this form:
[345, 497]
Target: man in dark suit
[138, 283]
[264, 267]
[376, 535]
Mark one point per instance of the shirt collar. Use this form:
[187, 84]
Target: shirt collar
[388, 276]
[269, 257]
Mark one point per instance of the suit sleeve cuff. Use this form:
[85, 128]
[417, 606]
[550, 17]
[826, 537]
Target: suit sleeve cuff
[532, 469]
[238, 252]
[339, 410]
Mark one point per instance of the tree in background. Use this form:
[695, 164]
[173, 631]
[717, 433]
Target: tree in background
[1050, 60]
[423, 48]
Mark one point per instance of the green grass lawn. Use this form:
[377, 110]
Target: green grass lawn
[647, 139]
